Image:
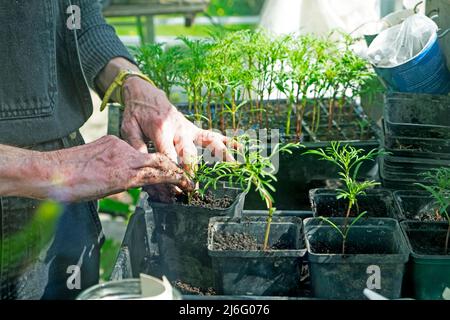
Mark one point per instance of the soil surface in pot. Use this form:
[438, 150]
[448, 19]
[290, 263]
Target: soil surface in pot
[353, 214]
[427, 213]
[428, 243]
[187, 289]
[209, 201]
[350, 248]
[164, 194]
[224, 241]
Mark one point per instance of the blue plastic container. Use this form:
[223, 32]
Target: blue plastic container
[425, 73]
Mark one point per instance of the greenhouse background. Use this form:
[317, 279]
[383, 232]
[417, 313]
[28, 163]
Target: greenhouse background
[292, 150]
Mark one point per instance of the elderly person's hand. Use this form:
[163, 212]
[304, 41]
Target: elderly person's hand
[92, 171]
[150, 116]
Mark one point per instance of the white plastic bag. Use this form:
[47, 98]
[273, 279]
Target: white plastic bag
[319, 17]
[401, 43]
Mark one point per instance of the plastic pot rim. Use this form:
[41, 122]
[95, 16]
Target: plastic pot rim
[161, 205]
[336, 258]
[252, 254]
[425, 258]
[429, 140]
[331, 192]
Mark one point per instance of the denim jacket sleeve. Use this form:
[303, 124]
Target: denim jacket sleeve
[98, 42]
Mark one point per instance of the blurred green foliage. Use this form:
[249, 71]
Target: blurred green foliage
[108, 254]
[126, 26]
[235, 7]
[120, 209]
[43, 223]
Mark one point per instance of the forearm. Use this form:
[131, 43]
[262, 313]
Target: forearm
[92, 171]
[23, 173]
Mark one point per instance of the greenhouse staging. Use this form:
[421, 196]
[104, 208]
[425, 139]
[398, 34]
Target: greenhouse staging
[225, 167]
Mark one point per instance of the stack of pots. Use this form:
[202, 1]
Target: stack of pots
[417, 136]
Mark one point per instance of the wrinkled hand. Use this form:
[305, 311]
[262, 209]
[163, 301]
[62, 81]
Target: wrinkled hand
[150, 116]
[104, 167]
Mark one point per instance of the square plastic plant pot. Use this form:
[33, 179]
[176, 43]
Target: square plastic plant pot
[379, 203]
[415, 205]
[275, 272]
[413, 147]
[429, 268]
[181, 232]
[406, 115]
[375, 258]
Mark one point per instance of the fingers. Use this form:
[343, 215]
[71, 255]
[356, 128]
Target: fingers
[132, 133]
[217, 143]
[187, 152]
[156, 176]
[164, 144]
[220, 151]
[159, 169]
[232, 143]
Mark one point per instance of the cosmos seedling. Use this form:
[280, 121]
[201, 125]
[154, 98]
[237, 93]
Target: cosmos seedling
[256, 170]
[349, 161]
[440, 191]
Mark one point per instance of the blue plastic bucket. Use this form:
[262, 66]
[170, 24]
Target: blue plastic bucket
[425, 73]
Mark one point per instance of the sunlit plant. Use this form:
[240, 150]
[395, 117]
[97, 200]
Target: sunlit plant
[158, 62]
[193, 66]
[228, 78]
[349, 161]
[254, 169]
[439, 189]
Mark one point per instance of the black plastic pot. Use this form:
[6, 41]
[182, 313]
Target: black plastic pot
[417, 115]
[414, 165]
[401, 173]
[428, 274]
[376, 256]
[397, 181]
[379, 203]
[300, 173]
[263, 214]
[182, 232]
[413, 147]
[258, 273]
[412, 205]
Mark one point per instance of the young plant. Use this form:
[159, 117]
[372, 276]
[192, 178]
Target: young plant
[440, 191]
[256, 170]
[296, 78]
[349, 161]
[205, 176]
[193, 66]
[159, 64]
[354, 73]
[221, 73]
[363, 125]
